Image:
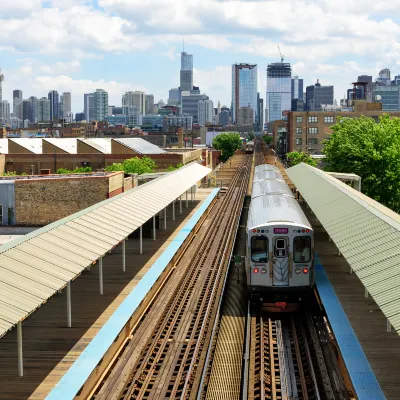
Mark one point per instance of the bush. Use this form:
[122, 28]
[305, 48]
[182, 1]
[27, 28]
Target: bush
[297, 157]
[77, 170]
[134, 165]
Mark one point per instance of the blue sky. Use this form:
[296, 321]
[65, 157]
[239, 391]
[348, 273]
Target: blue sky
[119, 45]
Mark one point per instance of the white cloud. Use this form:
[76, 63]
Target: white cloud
[61, 67]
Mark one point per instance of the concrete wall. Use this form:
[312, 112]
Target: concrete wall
[42, 201]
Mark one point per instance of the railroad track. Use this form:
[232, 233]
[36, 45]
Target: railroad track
[290, 358]
[166, 353]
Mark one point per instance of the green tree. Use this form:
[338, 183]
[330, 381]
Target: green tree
[77, 170]
[297, 157]
[228, 143]
[173, 168]
[371, 150]
[134, 165]
[267, 139]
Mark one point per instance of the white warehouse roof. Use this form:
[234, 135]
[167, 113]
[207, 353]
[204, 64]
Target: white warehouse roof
[141, 146]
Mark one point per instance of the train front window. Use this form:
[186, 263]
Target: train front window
[259, 249]
[302, 249]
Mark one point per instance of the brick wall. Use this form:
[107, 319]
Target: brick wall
[162, 161]
[42, 201]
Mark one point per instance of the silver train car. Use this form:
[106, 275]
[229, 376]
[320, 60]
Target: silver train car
[280, 244]
[249, 147]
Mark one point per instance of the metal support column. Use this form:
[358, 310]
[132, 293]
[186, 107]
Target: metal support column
[141, 239]
[194, 193]
[388, 327]
[165, 218]
[173, 210]
[123, 255]
[20, 356]
[180, 204]
[154, 227]
[191, 194]
[101, 274]
[69, 315]
[187, 199]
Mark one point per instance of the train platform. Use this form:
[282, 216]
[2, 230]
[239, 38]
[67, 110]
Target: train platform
[50, 349]
[371, 354]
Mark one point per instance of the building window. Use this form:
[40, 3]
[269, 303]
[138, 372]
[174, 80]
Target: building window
[298, 131]
[313, 131]
[1, 214]
[299, 141]
[299, 120]
[328, 120]
[312, 142]
[313, 120]
[259, 249]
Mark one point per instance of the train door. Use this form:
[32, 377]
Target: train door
[280, 261]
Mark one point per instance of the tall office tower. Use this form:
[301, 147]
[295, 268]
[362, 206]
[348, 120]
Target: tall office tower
[1, 92]
[5, 112]
[66, 100]
[205, 111]
[100, 105]
[317, 95]
[260, 113]
[149, 104]
[223, 118]
[17, 104]
[244, 89]
[384, 77]
[54, 106]
[186, 76]
[190, 104]
[34, 109]
[279, 93]
[297, 88]
[44, 110]
[26, 110]
[88, 106]
[139, 101]
[127, 102]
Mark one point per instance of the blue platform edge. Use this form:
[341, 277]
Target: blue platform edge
[70, 384]
[364, 381]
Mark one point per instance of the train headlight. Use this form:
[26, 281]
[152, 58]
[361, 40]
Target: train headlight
[263, 270]
[297, 270]
[256, 270]
[305, 270]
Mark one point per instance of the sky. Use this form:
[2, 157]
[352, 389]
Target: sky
[78, 46]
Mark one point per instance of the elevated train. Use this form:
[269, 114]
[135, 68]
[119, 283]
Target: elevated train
[249, 147]
[280, 244]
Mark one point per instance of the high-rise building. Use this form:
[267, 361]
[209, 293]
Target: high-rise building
[26, 110]
[260, 113]
[174, 96]
[384, 77]
[44, 110]
[139, 101]
[100, 105]
[5, 113]
[279, 90]
[54, 106]
[244, 89]
[317, 95]
[223, 118]
[34, 109]
[149, 104]
[88, 106]
[297, 88]
[66, 100]
[190, 104]
[17, 104]
[389, 97]
[186, 75]
[1, 93]
[127, 102]
[246, 116]
[205, 112]
[79, 117]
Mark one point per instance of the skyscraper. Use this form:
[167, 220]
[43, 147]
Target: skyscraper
[149, 104]
[34, 109]
[66, 100]
[279, 91]
[100, 105]
[88, 106]
[1, 92]
[205, 111]
[5, 112]
[260, 113]
[186, 76]
[297, 88]
[54, 106]
[17, 104]
[26, 110]
[43, 110]
[317, 95]
[244, 89]
[139, 101]
[190, 104]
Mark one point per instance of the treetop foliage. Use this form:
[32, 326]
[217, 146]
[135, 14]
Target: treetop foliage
[134, 165]
[371, 150]
[77, 170]
[297, 157]
[228, 143]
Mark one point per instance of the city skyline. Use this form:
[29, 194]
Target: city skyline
[140, 49]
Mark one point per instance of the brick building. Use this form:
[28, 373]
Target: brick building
[307, 130]
[40, 200]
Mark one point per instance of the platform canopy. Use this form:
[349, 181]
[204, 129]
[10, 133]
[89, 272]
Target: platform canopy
[37, 265]
[365, 232]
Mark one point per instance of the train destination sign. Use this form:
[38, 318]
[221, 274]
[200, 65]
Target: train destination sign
[281, 230]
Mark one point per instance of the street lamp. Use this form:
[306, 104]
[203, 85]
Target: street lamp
[31, 169]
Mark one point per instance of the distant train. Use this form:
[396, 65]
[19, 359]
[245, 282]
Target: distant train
[249, 147]
[280, 242]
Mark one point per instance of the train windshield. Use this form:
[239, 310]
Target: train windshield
[259, 249]
[302, 249]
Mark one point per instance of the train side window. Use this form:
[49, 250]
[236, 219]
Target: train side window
[259, 249]
[302, 249]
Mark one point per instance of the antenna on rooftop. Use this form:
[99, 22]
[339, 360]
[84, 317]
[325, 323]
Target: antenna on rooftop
[282, 58]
